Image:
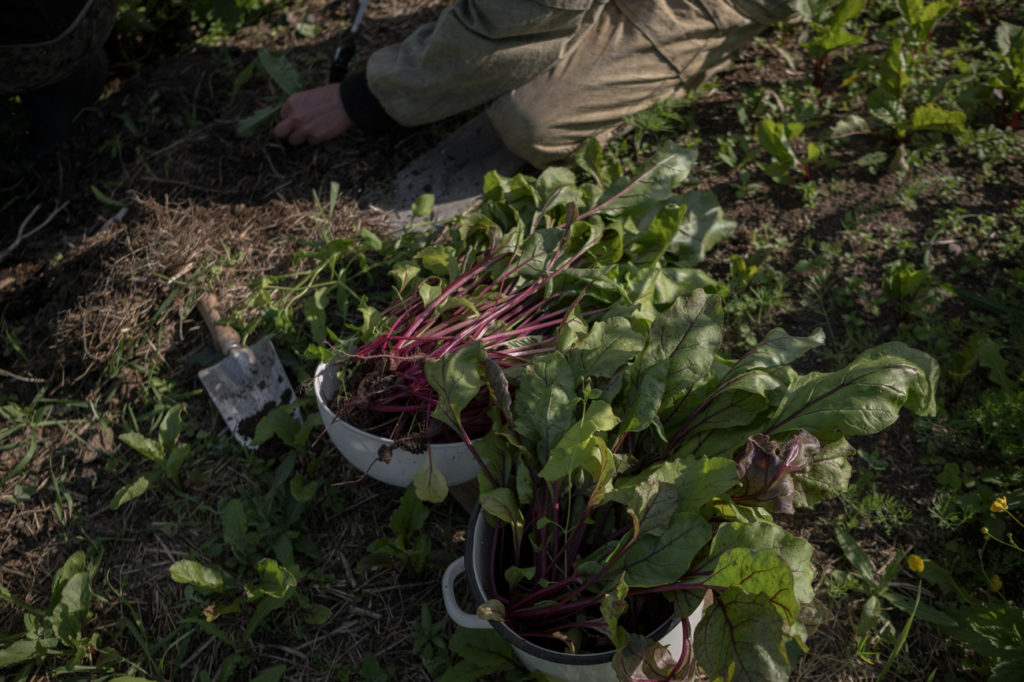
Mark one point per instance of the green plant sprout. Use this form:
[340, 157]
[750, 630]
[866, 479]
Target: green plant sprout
[166, 452]
[831, 37]
[284, 75]
[777, 138]
[58, 631]
[410, 546]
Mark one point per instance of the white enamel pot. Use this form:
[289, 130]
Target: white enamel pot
[591, 667]
[453, 460]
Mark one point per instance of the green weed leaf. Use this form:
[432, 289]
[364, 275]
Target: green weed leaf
[280, 71]
[194, 573]
[21, 650]
[147, 447]
[301, 489]
[423, 206]
[429, 482]
[133, 490]
[235, 526]
[256, 121]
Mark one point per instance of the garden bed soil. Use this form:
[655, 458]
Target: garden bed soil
[98, 289]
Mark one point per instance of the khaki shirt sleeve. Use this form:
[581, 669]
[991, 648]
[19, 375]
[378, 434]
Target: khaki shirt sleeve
[474, 52]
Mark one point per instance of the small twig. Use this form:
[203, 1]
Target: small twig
[23, 235]
[365, 613]
[18, 377]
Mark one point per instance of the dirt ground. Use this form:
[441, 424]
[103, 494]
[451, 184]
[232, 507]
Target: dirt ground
[98, 287]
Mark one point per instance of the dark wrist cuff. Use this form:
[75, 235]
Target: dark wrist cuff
[363, 107]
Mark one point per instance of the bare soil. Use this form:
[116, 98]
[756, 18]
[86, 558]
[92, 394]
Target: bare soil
[98, 308]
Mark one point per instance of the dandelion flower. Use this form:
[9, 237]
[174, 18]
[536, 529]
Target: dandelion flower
[915, 563]
[996, 583]
[999, 505]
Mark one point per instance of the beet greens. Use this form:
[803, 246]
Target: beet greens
[506, 279]
[632, 469]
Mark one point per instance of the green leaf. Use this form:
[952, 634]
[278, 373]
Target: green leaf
[146, 447]
[698, 481]
[827, 476]
[316, 614]
[256, 121]
[863, 398]
[501, 503]
[657, 560]
[275, 580]
[301, 489]
[683, 340]
[777, 348]
[429, 482]
[72, 566]
[543, 403]
[104, 198]
[75, 598]
[740, 639]
[855, 555]
[270, 674]
[440, 260]
[170, 428]
[704, 226]
[175, 460]
[757, 571]
[606, 348]
[280, 71]
[235, 526]
[484, 652]
[279, 422]
[764, 535]
[307, 30]
[648, 193]
[846, 11]
[405, 273]
[850, 125]
[456, 379]
[577, 448]
[933, 117]
[21, 650]
[135, 489]
[613, 606]
[194, 573]
[423, 206]
[410, 515]
[990, 357]
[774, 139]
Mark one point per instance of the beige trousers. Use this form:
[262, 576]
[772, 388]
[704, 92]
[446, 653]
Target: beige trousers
[617, 70]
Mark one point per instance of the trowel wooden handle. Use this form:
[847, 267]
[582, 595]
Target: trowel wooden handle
[224, 337]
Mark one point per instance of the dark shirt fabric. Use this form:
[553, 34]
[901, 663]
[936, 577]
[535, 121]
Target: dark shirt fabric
[363, 107]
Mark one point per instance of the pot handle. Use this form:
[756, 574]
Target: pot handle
[451, 605]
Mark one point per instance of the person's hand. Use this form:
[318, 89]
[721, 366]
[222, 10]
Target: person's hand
[313, 116]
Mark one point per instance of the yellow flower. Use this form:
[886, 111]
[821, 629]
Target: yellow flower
[999, 505]
[995, 584]
[984, 531]
[915, 563]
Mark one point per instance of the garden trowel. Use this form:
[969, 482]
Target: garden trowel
[248, 382]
